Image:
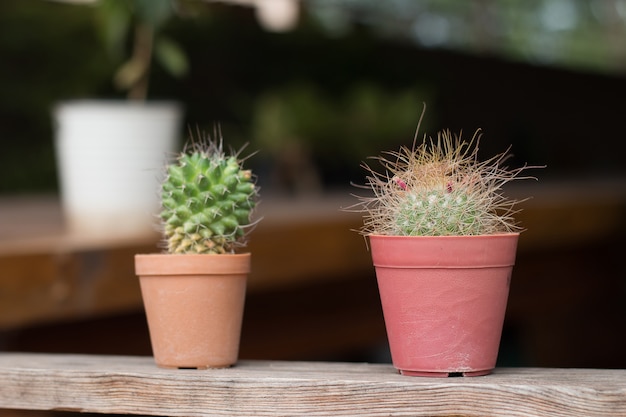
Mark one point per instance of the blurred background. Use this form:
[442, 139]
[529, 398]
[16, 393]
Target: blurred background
[341, 81]
[317, 86]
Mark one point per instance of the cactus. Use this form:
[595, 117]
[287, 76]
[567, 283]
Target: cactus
[439, 188]
[438, 212]
[207, 199]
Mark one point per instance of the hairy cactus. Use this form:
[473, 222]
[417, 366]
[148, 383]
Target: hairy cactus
[438, 212]
[207, 199]
[439, 188]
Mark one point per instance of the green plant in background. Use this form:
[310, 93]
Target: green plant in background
[300, 124]
[207, 199]
[363, 117]
[439, 188]
[144, 20]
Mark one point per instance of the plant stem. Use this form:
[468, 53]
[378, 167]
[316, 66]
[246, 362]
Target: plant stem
[142, 52]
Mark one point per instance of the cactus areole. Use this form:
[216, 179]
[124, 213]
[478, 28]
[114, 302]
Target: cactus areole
[207, 199]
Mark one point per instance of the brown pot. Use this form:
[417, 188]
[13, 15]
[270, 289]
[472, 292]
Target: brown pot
[194, 307]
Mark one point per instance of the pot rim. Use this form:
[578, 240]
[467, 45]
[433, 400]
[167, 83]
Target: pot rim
[191, 264]
[449, 237]
[472, 251]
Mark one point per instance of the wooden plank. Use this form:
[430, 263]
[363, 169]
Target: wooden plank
[39, 288]
[134, 385]
[58, 275]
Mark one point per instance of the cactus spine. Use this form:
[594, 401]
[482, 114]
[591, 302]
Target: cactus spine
[207, 199]
[439, 188]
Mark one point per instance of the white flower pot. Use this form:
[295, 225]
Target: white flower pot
[110, 155]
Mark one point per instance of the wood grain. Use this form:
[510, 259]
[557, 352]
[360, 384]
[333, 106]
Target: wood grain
[134, 385]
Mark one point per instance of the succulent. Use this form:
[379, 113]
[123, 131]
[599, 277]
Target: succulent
[439, 188]
[207, 199]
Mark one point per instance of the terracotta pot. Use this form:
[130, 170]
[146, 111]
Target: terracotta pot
[444, 300]
[194, 307]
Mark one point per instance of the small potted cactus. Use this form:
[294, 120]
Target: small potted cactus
[194, 293]
[443, 241]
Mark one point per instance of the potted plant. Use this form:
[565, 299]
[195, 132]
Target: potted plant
[194, 292]
[109, 152]
[443, 241]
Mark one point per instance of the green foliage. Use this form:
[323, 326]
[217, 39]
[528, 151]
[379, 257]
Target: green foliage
[346, 126]
[207, 200]
[143, 20]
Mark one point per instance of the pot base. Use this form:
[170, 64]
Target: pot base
[200, 368]
[445, 374]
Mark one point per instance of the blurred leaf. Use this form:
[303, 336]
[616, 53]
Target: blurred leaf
[171, 56]
[153, 12]
[130, 73]
[114, 18]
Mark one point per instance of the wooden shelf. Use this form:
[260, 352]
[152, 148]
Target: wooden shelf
[565, 303]
[51, 274]
[134, 385]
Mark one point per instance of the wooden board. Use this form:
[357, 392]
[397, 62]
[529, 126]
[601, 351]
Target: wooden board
[134, 385]
[48, 274]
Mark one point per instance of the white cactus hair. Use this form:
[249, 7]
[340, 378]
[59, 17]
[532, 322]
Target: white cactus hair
[452, 192]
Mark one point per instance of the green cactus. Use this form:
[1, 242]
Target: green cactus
[439, 188]
[438, 212]
[207, 199]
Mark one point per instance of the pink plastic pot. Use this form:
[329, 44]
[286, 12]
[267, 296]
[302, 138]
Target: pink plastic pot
[444, 300]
